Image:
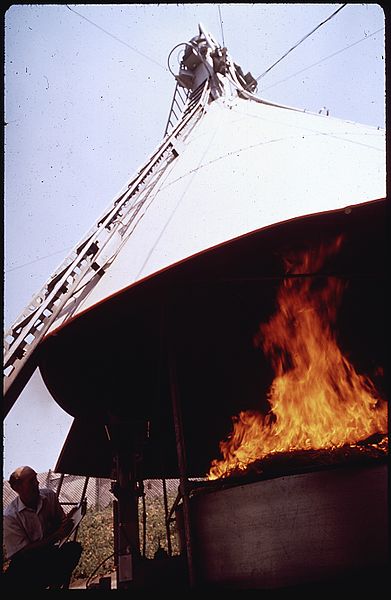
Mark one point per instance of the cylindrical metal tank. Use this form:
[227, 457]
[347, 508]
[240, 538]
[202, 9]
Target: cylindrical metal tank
[291, 530]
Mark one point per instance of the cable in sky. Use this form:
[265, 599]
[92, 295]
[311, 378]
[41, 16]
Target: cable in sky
[31, 262]
[116, 38]
[221, 24]
[322, 60]
[300, 41]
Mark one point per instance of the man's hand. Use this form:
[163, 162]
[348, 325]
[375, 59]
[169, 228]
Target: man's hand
[65, 527]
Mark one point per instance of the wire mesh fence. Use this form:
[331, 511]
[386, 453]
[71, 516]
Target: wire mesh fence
[97, 490]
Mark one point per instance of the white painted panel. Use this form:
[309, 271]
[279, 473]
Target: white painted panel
[244, 166]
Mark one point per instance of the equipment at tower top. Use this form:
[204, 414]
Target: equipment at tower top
[204, 58]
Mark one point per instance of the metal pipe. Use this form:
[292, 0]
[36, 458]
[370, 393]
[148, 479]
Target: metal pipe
[84, 489]
[166, 517]
[59, 486]
[144, 519]
[209, 40]
[180, 446]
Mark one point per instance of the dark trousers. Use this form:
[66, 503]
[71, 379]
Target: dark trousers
[49, 567]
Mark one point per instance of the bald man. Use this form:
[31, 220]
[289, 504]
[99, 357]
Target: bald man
[33, 523]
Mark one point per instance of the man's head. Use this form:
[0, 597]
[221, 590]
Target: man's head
[25, 483]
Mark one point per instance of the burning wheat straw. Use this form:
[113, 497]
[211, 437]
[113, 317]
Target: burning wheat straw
[317, 398]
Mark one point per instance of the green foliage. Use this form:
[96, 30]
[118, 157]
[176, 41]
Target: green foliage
[96, 535]
[155, 531]
[97, 538]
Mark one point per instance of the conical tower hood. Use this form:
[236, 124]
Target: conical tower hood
[245, 166]
[240, 164]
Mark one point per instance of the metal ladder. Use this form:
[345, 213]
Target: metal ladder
[81, 270]
[183, 102]
[179, 102]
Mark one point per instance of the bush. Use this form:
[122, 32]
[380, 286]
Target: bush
[96, 535]
[156, 535]
[97, 538]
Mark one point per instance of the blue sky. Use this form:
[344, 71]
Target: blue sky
[87, 95]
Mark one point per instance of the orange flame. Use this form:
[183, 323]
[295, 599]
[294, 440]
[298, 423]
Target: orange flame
[317, 398]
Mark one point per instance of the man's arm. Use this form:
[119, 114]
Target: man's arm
[20, 538]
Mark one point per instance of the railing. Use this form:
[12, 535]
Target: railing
[80, 272]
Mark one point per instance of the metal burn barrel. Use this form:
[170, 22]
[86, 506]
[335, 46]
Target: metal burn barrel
[304, 528]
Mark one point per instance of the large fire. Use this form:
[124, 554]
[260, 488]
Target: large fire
[317, 399]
